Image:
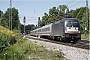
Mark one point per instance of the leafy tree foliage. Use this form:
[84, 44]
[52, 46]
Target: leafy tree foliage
[49, 18]
[1, 13]
[28, 28]
[15, 18]
[4, 21]
[55, 13]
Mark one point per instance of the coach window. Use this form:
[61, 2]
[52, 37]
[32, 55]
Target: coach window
[48, 29]
[43, 30]
[39, 30]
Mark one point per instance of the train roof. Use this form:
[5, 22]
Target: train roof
[46, 25]
[42, 27]
[64, 19]
[69, 19]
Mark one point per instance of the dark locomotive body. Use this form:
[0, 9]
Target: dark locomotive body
[67, 29]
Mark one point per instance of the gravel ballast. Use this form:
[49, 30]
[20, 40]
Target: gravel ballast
[70, 53]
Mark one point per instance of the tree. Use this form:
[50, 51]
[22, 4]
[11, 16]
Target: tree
[45, 18]
[54, 15]
[3, 19]
[1, 13]
[62, 9]
[28, 28]
[15, 18]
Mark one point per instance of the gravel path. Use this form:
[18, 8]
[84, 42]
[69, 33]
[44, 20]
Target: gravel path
[70, 53]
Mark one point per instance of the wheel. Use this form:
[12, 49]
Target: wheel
[60, 38]
[76, 40]
[64, 40]
[54, 38]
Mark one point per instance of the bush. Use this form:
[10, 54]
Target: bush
[12, 45]
[6, 40]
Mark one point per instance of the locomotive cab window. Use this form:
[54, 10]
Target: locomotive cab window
[72, 23]
[75, 24]
[69, 24]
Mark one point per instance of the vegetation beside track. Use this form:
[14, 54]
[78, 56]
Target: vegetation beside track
[85, 37]
[14, 47]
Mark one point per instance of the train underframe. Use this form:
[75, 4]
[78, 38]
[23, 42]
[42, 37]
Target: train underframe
[67, 37]
[73, 37]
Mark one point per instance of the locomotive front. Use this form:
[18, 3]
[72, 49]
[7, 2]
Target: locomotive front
[72, 29]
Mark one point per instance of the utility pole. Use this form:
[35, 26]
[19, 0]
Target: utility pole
[24, 21]
[86, 21]
[19, 25]
[10, 16]
[38, 21]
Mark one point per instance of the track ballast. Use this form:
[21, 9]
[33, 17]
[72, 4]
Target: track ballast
[83, 44]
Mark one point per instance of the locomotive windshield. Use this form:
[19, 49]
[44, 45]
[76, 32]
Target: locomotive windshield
[69, 24]
[75, 24]
[72, 23]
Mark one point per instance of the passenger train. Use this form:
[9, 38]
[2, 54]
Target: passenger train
[67, 29]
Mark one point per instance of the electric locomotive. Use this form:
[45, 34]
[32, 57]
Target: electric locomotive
[67, 29]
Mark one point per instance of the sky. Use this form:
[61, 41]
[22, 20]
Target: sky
[32, 9]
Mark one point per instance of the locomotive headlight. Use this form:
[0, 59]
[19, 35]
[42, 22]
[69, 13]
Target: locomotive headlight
[65, 28]
[78, 31]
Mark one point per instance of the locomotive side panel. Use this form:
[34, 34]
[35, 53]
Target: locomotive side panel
[57, 29]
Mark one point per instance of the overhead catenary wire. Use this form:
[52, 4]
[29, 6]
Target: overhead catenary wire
[27, 6]
[75, 4]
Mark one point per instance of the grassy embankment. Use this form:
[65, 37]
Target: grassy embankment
[14, 47]
[85, 37]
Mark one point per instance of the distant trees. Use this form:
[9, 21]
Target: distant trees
[55, 13]
[4, 21]
[1, 13]
[15, 17]
[62, 10]
[28, 28]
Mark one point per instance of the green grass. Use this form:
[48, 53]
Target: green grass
[83, 36]
[24, 49]
[42, 53]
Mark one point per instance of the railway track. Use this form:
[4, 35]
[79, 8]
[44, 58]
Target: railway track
[83, 44]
